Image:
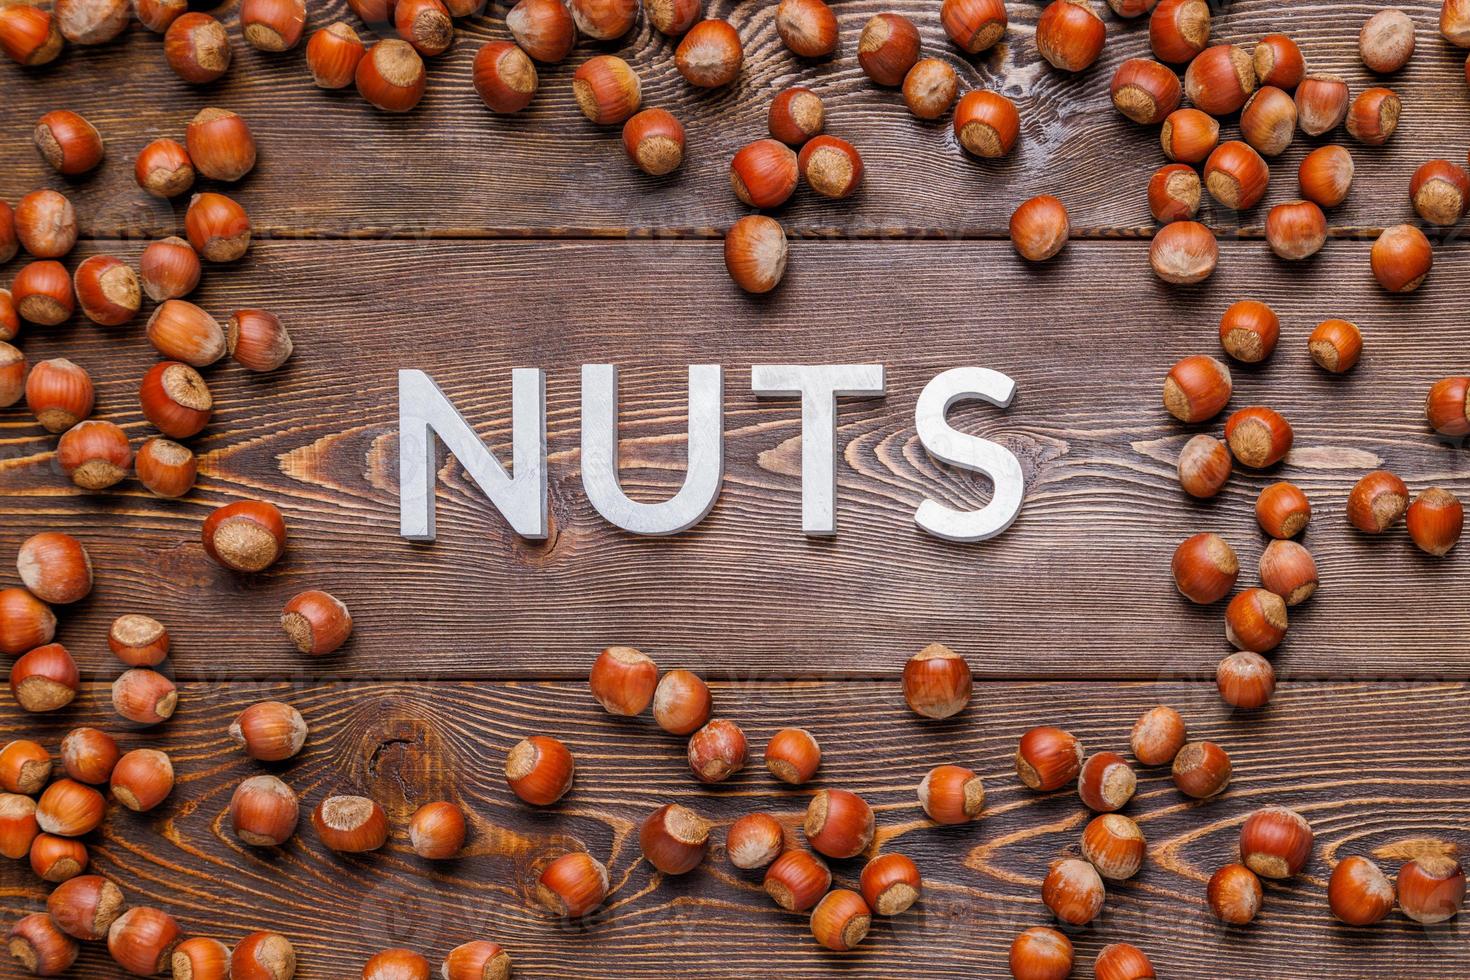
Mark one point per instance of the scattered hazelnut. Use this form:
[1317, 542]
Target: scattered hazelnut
[952, 795]
[317, 622]
[1246, 680]
[1276, 842]
[142, 779]
[540, 770]
[264, 811]
[1373, 116]
[55, 567]
[1070, 34]
[351, 824]
[89, 755]
[67, 142]
[1278, 61]
[1387, 41]
[1197, 388]
[1359, 893]
[1326, 176]
[717, 751]
[1234, 894]
[1258, 436]
[797, 880]
[45, 679]
[754, 841]
[673, 839]
[796, 115]
[974, 25]
[1106, 782]
[841, 920]
[1183, 253]
[710, 55]
[144, 696]
[437, 831]
[245, 536]
[755, 253]
[1440, 191]
[1377, 501]
[1145, 91]
[1436, 519]
[1174, 193]
[1073, 891]
[1204, 466]
[1431, 888]
[1178, 30]
[573, 885]
[269, 731]
[1113, 844]
[888, 47]
[1040, 953]
[839, 824]
[1189, 135]
[986, 123]
[1048, 758]
[681, 703]
[1157, 736]
[930, 88]
[1039, 228]
[1321, 103]
[891, 884]
[792, 756]
[1201, 770]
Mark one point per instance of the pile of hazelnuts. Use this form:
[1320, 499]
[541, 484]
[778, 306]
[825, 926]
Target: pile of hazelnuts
[839, 825]
[1206, 568]
[47, 819]
[1221, 80]
[175, 399]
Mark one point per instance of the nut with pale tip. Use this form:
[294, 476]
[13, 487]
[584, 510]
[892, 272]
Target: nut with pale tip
[264, 811]
[263, 956]
[674, 838]
[572, 885]
[317, 622]
[1114, 845]
[1041, 953]
[350, 824]
[952, 795]
[437, 831]
[841, 920]
[478, 959]
[754, 841]
[1234, 894]
[25, 766]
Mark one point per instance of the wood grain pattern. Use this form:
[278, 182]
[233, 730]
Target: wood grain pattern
[1078, 587]
[332, 166]
[409, 744]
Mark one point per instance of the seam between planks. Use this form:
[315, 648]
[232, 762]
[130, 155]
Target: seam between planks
[1120, 234]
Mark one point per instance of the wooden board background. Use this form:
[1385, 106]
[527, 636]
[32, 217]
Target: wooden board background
[466, 244]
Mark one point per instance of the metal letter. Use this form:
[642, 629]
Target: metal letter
[819, 387]
[424, 411]
[705, 469]
[969, 452]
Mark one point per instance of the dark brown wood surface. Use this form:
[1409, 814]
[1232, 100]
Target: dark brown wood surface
[1079, 587]
[406, 744]
[454, 168]
[377, 247]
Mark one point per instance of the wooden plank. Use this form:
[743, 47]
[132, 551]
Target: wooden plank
[409, 744]
[332, 166]
[1078, 587]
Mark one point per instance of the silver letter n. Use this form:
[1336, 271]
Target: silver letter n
[424, 412]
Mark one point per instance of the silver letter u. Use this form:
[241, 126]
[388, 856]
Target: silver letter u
[706, 466]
